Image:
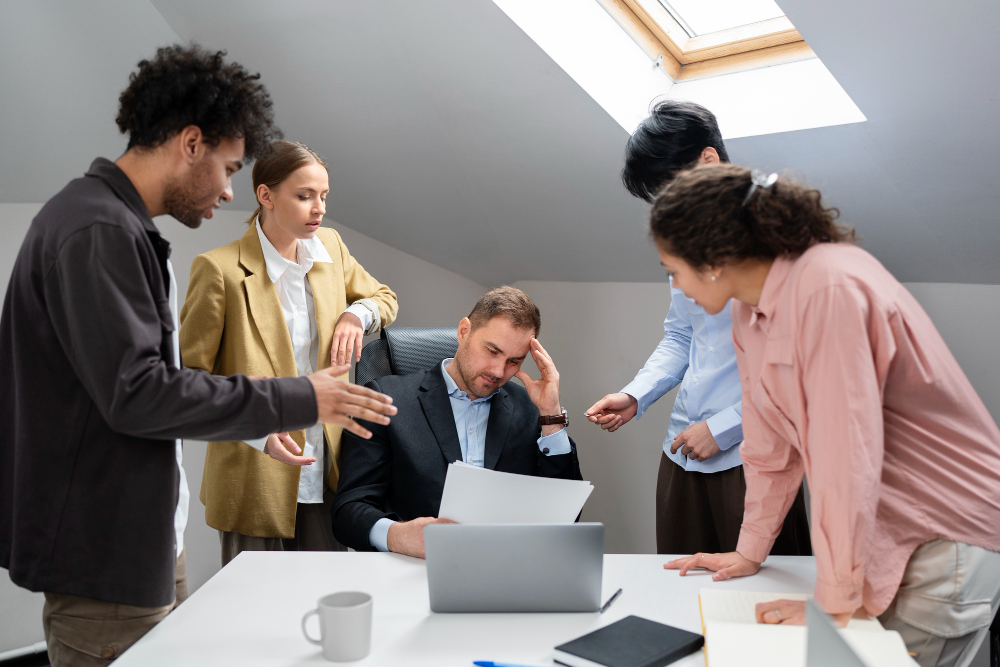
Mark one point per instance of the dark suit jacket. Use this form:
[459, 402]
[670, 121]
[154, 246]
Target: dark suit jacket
[91, 400]
[400, 472]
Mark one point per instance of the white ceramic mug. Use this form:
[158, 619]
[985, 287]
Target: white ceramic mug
[345, 625]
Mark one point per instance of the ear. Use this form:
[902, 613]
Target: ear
[264, 197]
[464, 329]
[191, 143]
[709, 156]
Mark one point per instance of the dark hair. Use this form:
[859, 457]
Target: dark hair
[278, 164]
[186, 85]
[701, 218]
[670, 140]
[508, 302]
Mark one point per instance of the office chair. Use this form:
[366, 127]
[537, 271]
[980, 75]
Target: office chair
[404, 350]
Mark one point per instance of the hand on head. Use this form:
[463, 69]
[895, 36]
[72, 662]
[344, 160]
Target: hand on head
[613, 411]
[544, 392]
[340, 402]
[407, 537]
[725, 566]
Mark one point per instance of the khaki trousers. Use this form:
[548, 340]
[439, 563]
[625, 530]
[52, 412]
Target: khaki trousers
[81, 632]
[946, 602]
[313, 532]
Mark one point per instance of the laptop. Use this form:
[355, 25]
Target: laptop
[514, 567]
[825, 647]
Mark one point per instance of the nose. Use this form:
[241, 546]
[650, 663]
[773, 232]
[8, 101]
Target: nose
[227, 194]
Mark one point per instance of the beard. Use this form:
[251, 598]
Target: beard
[183, 198]
[469, 379]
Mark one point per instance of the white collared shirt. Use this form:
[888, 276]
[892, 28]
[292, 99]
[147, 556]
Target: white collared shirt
[183, 493]
[296, 299]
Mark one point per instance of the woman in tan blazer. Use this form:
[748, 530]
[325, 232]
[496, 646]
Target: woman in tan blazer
[283, 300]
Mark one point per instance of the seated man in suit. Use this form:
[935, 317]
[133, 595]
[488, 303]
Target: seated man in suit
[459, 410]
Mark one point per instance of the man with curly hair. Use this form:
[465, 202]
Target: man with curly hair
[93, 400]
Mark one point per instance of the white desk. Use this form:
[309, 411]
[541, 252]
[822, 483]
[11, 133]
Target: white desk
[250, 613]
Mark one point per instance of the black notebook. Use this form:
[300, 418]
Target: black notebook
[630, 642]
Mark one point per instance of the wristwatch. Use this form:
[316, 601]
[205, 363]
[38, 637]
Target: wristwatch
[548, 420]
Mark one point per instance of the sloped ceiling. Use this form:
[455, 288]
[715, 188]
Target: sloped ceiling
[452, 136]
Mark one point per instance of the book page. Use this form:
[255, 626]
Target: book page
[744, 645]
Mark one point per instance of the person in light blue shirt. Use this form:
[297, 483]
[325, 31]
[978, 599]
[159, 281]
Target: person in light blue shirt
[700, 485]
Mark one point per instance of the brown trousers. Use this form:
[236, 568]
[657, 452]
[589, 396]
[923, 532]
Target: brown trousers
[313, 532]
[703, 512]
[81, 632]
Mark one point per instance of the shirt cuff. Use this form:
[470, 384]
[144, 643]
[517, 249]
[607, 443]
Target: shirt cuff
[838, 598]
[258, 443]
[363, 313]
[726, 427]
[639, 391]
[753, 547]
[378, 536]
[557, 443]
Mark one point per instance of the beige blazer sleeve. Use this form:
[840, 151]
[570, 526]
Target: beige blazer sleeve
[361, 285]
[200, 336]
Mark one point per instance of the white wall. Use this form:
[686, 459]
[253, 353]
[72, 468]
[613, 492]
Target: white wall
[428, 295]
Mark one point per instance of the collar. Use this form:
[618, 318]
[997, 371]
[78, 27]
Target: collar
[108, 171]
[773, 284]
[453, 389]
[309, 251]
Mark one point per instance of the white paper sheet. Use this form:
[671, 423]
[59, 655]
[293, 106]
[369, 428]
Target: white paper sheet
[746, 645]
[480, 495]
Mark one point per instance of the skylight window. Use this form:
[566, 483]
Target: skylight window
[758, 78]
[701, 17]
[693, 39]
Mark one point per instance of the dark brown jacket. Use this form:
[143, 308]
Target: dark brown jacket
[91, 401]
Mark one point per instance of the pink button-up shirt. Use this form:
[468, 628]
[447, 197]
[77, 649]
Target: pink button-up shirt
[846, 379]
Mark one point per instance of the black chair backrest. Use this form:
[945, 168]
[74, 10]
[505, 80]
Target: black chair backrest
[405, 350]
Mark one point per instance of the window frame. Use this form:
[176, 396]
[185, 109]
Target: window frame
[683, 58]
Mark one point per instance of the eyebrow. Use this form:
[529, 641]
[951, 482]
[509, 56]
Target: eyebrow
[490, 343]
[236, 165]
[308, 189]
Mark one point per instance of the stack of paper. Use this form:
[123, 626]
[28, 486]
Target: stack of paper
[480, 495]
[733, 636]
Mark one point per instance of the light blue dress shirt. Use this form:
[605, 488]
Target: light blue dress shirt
[697, 353]
[471, 418]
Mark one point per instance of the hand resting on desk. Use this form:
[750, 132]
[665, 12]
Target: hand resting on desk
[407, 537]
[725, 566]
[792, 612]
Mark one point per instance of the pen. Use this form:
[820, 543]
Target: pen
[488, 663]
[610, 600]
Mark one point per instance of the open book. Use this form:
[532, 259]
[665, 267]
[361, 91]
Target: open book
[734, 638]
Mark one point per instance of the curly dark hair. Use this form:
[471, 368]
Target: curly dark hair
[187, 85]
[701, 218]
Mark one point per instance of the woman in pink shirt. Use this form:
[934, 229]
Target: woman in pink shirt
[846, 380]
